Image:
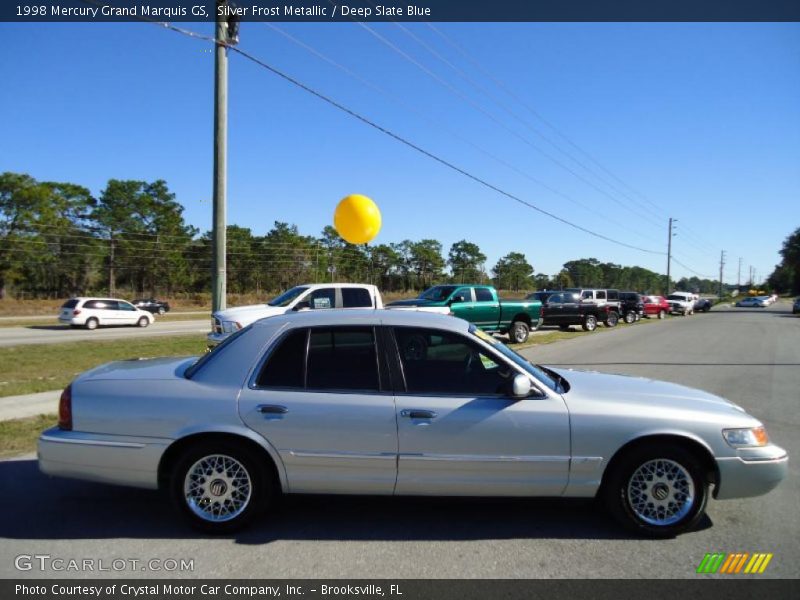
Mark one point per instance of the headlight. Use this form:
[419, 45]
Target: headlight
[746, 438]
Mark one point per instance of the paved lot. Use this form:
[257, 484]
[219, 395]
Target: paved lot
[55, 333]
[752, 357]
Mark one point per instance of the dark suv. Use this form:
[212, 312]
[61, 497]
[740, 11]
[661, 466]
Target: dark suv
[152, 305]
[631, 306]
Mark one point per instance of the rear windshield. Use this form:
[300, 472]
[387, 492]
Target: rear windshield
[219, 348]
[70, 303]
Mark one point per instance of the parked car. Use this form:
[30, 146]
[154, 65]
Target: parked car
[92, 313]
[631, 306]
[566, 309]
[152, 305]
[608, 298]
[796, 306]
[480, 304]
[401, 403]
[702, 305]
[681, 304]
[312, 296]
[656, 306]
[753, 301]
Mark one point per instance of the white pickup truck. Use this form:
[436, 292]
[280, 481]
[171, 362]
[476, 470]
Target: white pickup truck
[682, 303]
[312, 296]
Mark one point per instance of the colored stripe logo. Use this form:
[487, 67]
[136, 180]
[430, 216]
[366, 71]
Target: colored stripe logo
[734, 563]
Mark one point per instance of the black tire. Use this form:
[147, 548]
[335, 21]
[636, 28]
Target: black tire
[589, 323]
[679, 484]
[143, 322]
[662, 314]
[706, 308]
[161, 310]
[637, 317]
[230, 460]
[612, 320]
[92, 324]
[630, 317]
[518, 332]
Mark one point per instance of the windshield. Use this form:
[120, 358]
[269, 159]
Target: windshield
[197, 365]
[285, 299]
[538, 372]
[437, 293]
[674, 297]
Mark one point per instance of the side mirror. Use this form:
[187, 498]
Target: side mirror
[302, 305]
[520, 386]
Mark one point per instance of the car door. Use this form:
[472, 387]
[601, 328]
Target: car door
[459, 433]
[321, 399]
[554, 309]
[126, 313]
[486, 313]
[571, 308]
[462, 303]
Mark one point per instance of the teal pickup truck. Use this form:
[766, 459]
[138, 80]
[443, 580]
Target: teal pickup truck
[480, 305]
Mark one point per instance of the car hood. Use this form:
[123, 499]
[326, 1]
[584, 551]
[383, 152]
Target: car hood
[415, 302]
[245, 315]
[642, 392]
[140, 369]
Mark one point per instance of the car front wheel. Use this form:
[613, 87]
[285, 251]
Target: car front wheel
[219, 487]
[657, 490]
[518, 332]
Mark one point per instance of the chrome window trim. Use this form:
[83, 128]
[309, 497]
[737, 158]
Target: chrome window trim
[85, 442]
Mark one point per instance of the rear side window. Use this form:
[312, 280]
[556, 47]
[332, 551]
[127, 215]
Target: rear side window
[70, 303]
[483, 295]
[356, 298]
[342, 358]
[101, 304]
[601, 295]
[286, 365]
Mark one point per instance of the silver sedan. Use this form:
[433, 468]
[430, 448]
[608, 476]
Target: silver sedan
[403, 403]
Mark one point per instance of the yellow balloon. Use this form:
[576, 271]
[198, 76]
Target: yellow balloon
[357, 219]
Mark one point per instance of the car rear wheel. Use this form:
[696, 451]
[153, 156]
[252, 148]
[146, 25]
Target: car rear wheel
[611, 320]
[589, 323]
[630, 317]
[161, 310]
[143, 322]
[220, 487]
[518, 332]
[662, 314]
[91, 323]
[657, 490]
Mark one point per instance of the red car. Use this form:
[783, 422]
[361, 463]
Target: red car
[656, 305]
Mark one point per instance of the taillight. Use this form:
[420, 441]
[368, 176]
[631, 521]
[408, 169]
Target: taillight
[76, 312]
[65, 409]
[541, 312]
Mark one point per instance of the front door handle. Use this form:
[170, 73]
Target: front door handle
[272, 409]
[415, 413]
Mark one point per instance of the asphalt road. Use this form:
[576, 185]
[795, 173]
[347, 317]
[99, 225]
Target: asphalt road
[752, 357]
[55, 333]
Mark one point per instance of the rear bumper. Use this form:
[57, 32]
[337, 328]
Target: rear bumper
[120, 460]
[740, 478]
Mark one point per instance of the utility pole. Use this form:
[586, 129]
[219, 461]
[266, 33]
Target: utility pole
[721, 267]
[111, 263]
[739, 274]
[669, 252]
[227, 34]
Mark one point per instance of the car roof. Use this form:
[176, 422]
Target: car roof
[357, 316]
[330, 284]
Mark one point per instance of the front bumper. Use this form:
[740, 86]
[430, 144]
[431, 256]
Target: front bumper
[754, 475]
[120, 460]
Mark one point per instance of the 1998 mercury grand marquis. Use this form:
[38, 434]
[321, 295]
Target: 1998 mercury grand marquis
[383, 402]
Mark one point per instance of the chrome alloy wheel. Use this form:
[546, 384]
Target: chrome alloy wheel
[217, 488]
[661, 492]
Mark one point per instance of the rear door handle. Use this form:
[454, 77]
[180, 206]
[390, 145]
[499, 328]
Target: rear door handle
[415, 413]
[272, 409]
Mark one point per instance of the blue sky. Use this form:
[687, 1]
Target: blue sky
[701, 120]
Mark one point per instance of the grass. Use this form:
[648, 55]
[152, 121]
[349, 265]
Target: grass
[19, 435]
[542, 337]
[42, 367]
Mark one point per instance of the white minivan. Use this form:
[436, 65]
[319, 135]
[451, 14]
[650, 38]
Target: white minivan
[93, 312]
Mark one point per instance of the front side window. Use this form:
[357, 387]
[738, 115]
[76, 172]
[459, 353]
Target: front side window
[322, 298]
[342, 358]
[286, 298]
[446, 363]
[356, 298]
[438, 293]
[555, 299]
[588, 295]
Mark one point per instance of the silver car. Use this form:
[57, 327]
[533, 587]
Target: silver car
[403, 403]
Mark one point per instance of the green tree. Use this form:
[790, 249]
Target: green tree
[513, 272]
[465, 260]
[426, 261]
[786, 276]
